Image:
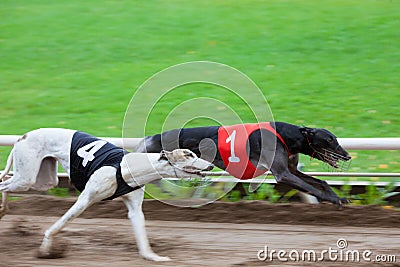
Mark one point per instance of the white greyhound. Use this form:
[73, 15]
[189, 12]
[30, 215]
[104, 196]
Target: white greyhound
[98, 169]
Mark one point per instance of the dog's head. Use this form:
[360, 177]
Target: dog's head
[324, 146]
[185, 163]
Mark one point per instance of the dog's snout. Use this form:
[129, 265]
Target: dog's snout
[341, 151]
[209, 167]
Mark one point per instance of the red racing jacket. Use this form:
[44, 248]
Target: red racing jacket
[232, 141]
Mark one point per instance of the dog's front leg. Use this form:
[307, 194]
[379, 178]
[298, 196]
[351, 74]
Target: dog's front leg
[289, 179]
[101, 185]
[283, 175]
[323, 185]
[133, 202]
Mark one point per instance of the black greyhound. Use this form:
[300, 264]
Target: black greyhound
[248, 150]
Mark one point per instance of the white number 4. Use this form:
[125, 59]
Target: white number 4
[87, 152]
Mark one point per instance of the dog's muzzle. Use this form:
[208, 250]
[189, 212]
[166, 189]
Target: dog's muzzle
[193, 170]
[335, 160]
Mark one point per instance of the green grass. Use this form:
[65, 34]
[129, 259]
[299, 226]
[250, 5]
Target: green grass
[76, 64]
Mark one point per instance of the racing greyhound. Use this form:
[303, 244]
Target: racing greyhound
[249, 150]
[98, 169]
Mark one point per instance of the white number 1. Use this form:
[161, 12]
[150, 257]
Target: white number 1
[87, 152]
[231, 139]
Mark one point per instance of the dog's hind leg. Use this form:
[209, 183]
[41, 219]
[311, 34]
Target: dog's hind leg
[4, 177]
[4, 200]
[27, 161]
[4, 204]
[133, 202]
[101, 185]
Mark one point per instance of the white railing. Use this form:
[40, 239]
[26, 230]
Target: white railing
[370, 143]
[129, 143]
[346, 143]
[386, 143]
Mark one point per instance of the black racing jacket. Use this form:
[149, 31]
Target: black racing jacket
[88, 154]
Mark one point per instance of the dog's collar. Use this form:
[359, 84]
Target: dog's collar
[314, 150]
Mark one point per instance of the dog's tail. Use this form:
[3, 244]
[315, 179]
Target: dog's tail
[8, 166]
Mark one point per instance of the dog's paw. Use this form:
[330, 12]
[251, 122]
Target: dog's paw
[339, 202]
[58, 250]
[345, 200]
[155, 257]
[160, 258]
[3, 211]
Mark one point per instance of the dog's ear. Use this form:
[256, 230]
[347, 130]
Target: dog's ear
[307, 131]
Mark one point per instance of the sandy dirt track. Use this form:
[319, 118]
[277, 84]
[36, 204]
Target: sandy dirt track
[213, 235]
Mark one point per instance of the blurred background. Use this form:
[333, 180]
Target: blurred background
[328, 64]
